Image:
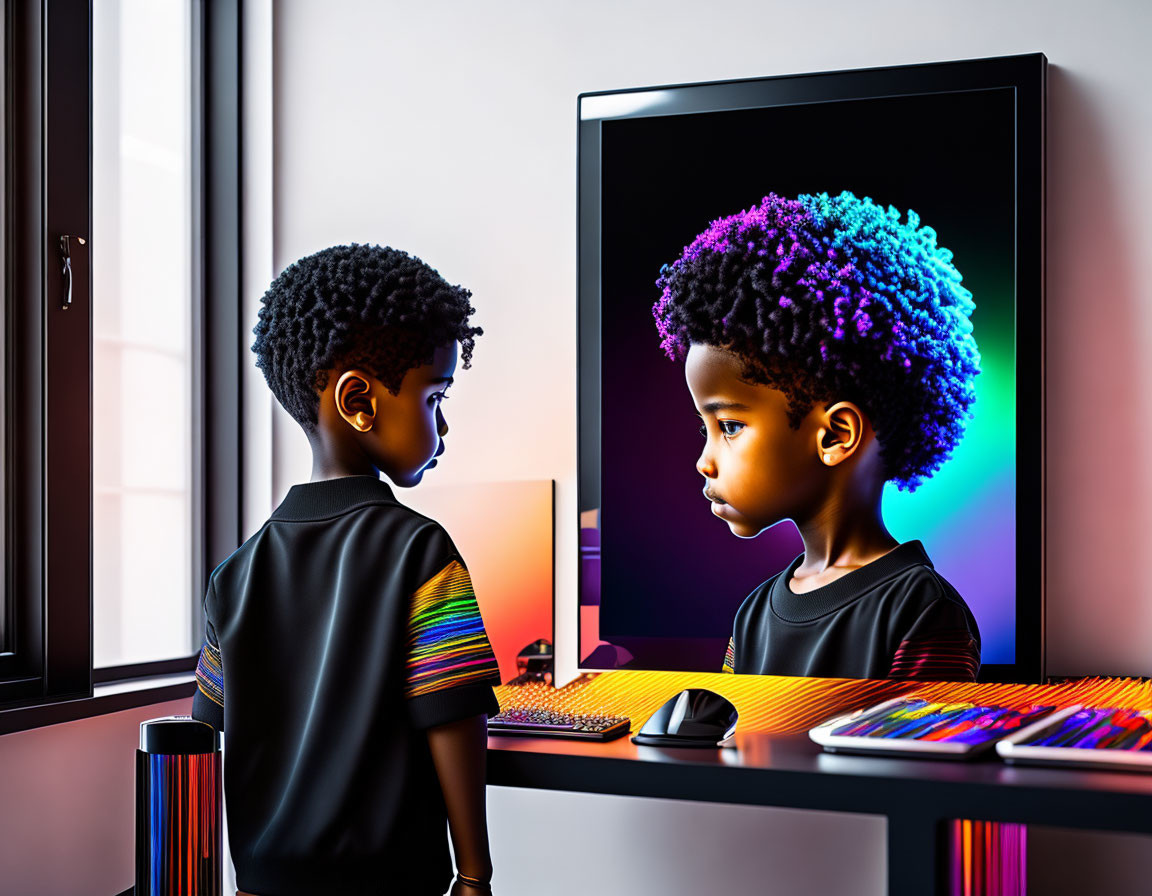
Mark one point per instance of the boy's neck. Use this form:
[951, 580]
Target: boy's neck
[345, 460]
[320, 472]
[839, 539]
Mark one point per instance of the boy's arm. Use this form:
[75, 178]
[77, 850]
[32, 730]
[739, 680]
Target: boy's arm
[451, 672]
[458, 751]
[208, 701]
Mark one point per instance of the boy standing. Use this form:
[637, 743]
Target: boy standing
[345, 633]
[828, 350]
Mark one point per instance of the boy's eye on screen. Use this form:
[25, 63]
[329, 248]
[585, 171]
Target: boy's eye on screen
[728, 428]
[437, 397]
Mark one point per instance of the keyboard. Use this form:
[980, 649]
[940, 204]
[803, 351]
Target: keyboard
[533, 722]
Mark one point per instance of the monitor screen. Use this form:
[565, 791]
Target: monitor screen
[867, 245]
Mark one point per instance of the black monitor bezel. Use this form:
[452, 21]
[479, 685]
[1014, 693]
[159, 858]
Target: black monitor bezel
[1027, 76]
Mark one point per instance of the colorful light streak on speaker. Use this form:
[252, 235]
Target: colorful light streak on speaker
[178, 827]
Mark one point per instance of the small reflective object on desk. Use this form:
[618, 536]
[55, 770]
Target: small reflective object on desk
[695, 717]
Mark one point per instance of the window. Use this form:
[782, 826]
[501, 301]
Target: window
[121, 276]
[142, 302]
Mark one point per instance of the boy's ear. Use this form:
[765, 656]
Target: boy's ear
[354, 400]
[841, 432]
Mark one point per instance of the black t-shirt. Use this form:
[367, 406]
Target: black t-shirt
[895, 617]
[335, 635]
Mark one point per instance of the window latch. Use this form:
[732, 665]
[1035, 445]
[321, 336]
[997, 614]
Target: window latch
[66, 267]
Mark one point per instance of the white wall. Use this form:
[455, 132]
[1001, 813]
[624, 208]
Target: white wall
[448, 129]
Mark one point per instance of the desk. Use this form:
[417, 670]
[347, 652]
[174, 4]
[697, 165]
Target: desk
[788, 770]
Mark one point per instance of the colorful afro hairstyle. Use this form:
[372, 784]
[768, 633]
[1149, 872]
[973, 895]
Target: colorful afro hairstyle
[835, 299]
[358, 306]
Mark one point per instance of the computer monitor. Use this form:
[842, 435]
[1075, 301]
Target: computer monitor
[956, 147]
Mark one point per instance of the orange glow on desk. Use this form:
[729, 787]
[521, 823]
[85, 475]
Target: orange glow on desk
[771, 704]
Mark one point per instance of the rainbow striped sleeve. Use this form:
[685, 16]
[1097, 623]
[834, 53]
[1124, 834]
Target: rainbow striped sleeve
[210, 670]
[730, 657]
[447, 644]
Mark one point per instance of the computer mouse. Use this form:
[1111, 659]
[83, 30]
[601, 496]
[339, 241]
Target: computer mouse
[693, 718]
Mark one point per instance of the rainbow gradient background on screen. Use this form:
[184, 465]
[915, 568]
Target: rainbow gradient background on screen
[661, 576]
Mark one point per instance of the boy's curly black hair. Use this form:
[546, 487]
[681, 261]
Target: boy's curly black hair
[358, 306]
[835, 299]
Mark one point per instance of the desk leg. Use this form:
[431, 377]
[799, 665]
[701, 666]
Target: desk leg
[914, 856]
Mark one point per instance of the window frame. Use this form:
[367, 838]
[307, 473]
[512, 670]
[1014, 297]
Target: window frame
[48, 676]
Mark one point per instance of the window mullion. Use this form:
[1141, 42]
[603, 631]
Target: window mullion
[67, 350]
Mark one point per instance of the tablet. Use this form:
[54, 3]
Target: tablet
[1102, 737]
[916, 727]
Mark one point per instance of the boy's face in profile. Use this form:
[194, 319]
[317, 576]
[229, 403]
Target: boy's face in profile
[405, 433]
[757, 469]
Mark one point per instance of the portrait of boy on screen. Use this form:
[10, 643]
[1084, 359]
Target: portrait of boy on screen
[828, 350]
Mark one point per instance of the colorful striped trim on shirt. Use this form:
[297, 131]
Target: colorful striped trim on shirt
[210, 674]
[447, 644]
[730, 656]
[947, 656]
